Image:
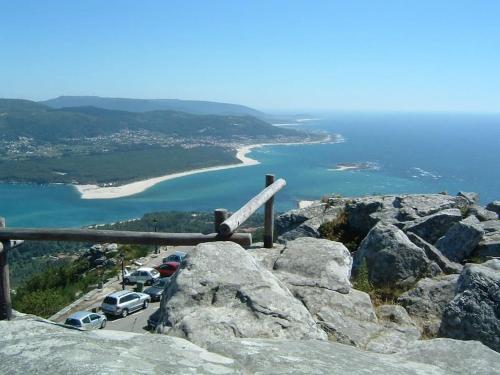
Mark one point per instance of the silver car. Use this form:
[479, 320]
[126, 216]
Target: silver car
[124, 302]
[86, 320]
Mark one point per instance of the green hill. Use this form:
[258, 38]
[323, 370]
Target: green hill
[29, 119]
[146, 105]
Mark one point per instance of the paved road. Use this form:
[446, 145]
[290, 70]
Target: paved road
[135, 322]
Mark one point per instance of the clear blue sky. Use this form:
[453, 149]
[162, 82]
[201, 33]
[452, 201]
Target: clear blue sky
[269, 54]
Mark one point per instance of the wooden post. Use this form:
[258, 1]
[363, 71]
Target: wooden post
[237, 218]
[5, 302]
[220, 215]
[269, 216]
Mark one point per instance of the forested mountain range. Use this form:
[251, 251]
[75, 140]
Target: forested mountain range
[31, 119]
[146, 105]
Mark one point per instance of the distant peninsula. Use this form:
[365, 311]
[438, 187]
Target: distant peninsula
[106, 148]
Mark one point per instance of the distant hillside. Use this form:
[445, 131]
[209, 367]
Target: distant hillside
[90, 145]
[31, 119]
[146, 105]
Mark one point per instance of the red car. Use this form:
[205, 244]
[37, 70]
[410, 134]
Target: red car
[168, 269]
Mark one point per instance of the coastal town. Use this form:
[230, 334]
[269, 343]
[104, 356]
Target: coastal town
[24, 148]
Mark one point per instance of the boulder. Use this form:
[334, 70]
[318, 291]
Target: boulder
[494, 206]
[363, 213]
[471, 198]
[489, 246]
[474, 312]
[305, 222]
[434, 226]
[435, 255]
[482, 213]
[452, 356]
[392, 259]
[426, 302]
[438, 356]
[30, 345]
[315, 262]
[461, 239]
[223, 292]
[397, 330]
[347, 318]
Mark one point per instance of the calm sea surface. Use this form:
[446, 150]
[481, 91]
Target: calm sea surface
[406, 154]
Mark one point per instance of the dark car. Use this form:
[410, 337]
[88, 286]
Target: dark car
[178, 256]
[168, 269]
[156, 290]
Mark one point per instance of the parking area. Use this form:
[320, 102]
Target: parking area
[135, 322]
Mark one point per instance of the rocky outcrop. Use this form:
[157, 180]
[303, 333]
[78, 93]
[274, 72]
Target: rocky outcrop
[471, 197]
[426, 302]
[305, 222]
[439, 356]
[434, 226]
[461, 239]
[30, 346]
[435, 255]
[396, 331]
[363, 213]
[474, 312]
[223, 292]
[314, 262]
[494, 206]
[489, 246]
[316, 271]
[392, 259]
[482, 213]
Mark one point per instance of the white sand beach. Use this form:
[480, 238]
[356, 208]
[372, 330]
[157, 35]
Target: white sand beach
[111, 192]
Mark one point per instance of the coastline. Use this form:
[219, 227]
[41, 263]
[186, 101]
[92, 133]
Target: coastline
[112, 192]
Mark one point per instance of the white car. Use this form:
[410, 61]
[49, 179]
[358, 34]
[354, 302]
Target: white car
[86, 320]
[144, 275]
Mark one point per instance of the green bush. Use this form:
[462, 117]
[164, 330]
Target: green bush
[338, 230]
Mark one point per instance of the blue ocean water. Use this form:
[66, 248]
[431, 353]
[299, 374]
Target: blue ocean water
[409, 153]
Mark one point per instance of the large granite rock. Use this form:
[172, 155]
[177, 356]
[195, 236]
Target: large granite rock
[439, 356]
[392, 259]
[396, 332]
[434, 226]
[461, 239]
[434, 254]
[315, 262]
[316, 271]
[494, 206]
[223, 292]
[489, 246]
[482, 213]
[351, 319]
[305, 222]
[474, 312]
[471, 197]
[363, 213]
[426, 302]
[33, 346]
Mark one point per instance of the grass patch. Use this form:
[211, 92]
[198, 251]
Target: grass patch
[380, 295]
[338, 230]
